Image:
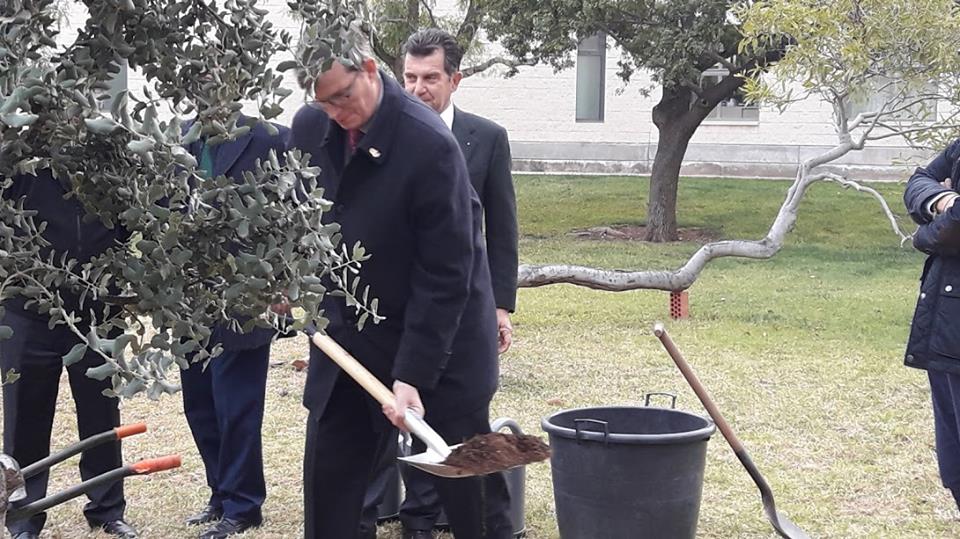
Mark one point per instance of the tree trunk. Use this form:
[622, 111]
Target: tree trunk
[671, 116]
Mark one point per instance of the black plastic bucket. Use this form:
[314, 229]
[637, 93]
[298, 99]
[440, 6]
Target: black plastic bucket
[627, 472]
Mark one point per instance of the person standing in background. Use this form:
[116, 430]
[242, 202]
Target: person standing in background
[223, 400]
[432, 72]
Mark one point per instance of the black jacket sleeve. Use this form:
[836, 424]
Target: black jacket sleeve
[500, 214]
[925, 184]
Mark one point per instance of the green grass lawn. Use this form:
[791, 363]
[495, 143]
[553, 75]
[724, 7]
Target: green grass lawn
[802, 354]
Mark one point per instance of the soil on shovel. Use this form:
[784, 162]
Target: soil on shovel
[496, 451]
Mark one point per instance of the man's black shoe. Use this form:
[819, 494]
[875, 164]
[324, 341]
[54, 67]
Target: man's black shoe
[206, 515]
[26, 535]
[227, 527]
[417, 534]
[119, 528]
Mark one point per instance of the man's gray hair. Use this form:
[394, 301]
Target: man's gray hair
[314, 55]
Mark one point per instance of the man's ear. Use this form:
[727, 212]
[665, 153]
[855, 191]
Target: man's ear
[456, 78]
[369, 65]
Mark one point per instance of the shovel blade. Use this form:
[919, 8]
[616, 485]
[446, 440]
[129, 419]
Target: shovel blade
[432, 463]
[785, 527]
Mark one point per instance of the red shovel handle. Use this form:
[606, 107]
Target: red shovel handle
[158, 464]
[129, 430]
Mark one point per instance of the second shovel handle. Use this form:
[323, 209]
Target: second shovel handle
[687, 371]
[351, 366]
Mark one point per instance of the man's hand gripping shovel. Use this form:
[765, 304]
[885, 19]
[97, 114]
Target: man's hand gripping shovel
[430, 461]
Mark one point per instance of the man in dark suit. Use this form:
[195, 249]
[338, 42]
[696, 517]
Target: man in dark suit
[399, 185]
[36, 352]
[432, 73]
[224, 401]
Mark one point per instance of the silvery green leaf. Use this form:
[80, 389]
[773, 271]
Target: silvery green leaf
[10, 377]
[102, 372]
[119, 102]
[101, 125]
[17, 119]
[75, 354]
[183, 157]
[141, 146]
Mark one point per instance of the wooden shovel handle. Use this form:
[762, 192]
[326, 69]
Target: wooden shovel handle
[351, 366]
[661, 333]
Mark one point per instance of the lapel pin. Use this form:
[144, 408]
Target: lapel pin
[374, 153]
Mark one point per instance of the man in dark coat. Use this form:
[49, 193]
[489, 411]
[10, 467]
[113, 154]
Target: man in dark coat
[36, 352]
[934, 343]
[224, 402]
[399, 185]
[432, 73]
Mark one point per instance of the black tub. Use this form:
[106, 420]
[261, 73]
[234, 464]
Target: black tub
[627, 472]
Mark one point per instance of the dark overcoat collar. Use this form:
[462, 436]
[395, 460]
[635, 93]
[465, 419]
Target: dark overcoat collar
[376, 142]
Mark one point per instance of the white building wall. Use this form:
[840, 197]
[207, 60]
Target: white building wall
[537, 107]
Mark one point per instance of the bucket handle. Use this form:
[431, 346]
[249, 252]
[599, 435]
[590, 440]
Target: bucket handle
[673, 398]
[501, 422]
[602, 424]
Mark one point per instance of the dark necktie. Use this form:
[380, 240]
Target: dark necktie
[353, 138]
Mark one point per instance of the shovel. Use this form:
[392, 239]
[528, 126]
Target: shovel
[430, 461]
[780, 522]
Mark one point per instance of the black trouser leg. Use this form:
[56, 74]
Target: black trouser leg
[28, 407]
[36, 352]
[421, 503]
[224, 408]
[945, 392]
[477, 507]
[201, 414]
[95, 414]
[342, 446]
[384, 471]
[239, 387]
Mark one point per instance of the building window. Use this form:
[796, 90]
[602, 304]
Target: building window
[731, 109]
[591, 63]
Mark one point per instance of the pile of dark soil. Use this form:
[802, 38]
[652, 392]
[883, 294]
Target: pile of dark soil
[496, 451]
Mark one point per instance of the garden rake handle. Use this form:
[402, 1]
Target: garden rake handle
[158, 464]
[378, 391]
[139, 468]
[111, 435]
[661, 333]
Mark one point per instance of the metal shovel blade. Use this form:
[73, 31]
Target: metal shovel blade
[431, 460]
[786, 528]
[432, 463]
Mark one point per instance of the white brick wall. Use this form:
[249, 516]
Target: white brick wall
[537, 107]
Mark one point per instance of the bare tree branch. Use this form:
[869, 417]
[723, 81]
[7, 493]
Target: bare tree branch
[510, 63]
[686, 275]
[426, 6]
[848, 183]
[384, 53]
[732, 68]
[470, 24]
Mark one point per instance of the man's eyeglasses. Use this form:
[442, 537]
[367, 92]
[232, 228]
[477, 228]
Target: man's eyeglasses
[340, 98]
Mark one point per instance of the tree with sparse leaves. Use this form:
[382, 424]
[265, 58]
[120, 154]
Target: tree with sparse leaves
[200, 251]
[675, 42]
[396, 20]
[889, 70]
